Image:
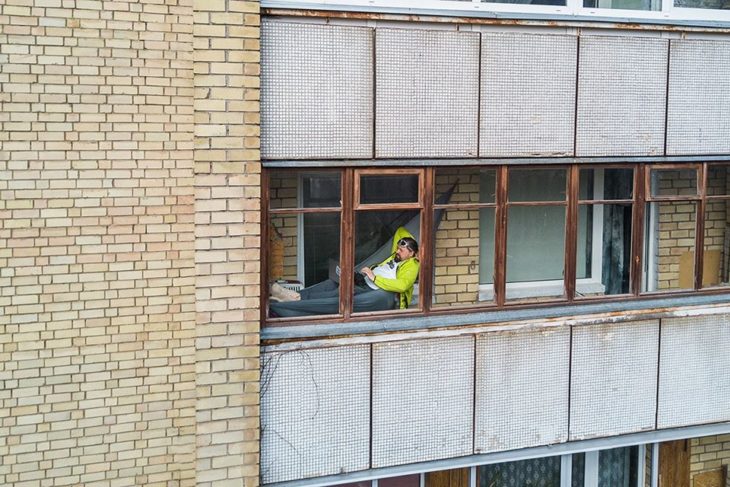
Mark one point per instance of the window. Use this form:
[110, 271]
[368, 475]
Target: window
[490, 236]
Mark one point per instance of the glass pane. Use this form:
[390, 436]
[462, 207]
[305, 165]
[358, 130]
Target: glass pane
[304, 252]
[460, 254]
[669, 246]
[404, 481]
[624, 4]
[465, 185]
[618, 467]
[603, 252]
[578, 470]
[711, 4]
[716, 261]
[364, 483]
[538, 472]
[606, 184]
[531, 2]
[290, 189]
[718, 180]
[536, 185]
[388, 188]
[673, 182]
[535, 251]
[395, 267]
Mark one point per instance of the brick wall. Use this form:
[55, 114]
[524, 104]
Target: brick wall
[227, 239]
[709, 453]
[129, 243]
[97, 315]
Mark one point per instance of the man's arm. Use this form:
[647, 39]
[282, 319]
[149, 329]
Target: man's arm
[407, 275]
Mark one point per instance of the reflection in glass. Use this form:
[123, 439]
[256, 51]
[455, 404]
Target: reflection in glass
[536, 185]
[303, 250]
[388, 188]
[403, 481]
[578, 466]
[461, 250]
[618, 467]
[716, 261]
[606, 184]
[535, 251]
[669, 246]
[470, 185]
[603, 252]
[529, 2]
[537, 472]
[624, 4]
[718, 180]
[673, 182]
[708, 4]
[288, 189]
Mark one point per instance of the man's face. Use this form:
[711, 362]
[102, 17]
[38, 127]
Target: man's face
[403, 253]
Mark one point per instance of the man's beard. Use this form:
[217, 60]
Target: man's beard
[396, 258]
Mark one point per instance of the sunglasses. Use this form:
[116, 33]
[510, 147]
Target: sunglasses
[403, 243]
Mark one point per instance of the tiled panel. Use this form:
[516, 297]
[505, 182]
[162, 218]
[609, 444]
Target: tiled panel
[522, 389]
[315, 412]
[422, 400]
[527, 95]
[621, 96]
[694, 371]
[699, 97]
[316, 91]
[613, 379]
[427, 93]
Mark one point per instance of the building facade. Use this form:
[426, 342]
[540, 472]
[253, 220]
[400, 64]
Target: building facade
[564, 167]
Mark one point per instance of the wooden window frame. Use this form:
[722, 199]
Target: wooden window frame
[350, 206]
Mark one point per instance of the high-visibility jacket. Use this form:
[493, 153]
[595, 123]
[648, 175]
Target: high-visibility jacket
[405, 274]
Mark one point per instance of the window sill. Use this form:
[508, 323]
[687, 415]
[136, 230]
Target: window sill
[647, 307]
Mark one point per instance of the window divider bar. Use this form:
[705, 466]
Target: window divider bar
[427, 238]
[347, 243]
[500, 238]
[700, 227]
[637, 228]
[264, 247]
[571, 233]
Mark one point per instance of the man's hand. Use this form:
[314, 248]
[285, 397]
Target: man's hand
[368, 272]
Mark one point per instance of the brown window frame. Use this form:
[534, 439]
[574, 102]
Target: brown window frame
[350, 205]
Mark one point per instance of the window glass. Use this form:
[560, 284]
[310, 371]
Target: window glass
[603, 253]
[673, 182]
[289, 189]
[303, 255]
[388, 188]
[669, 245]
[606, 184]
[537, 185]
[403, 481]
[718, 180]
[395, 266]
[618, 467]
[578, 468]
[715, 264]
[530, 2]
[537, 472]
[465, 186]
[708, 4]
[535, 251]
[463, 255]
[624, 4]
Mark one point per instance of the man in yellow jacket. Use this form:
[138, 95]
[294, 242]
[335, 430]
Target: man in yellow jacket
[397, 273]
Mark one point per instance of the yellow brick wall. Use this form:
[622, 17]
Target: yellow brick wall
[227, 211]
[709, 453]
[97, 311]
[129, 243]
[456, 240]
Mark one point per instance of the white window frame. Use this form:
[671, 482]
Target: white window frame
[476, 8]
